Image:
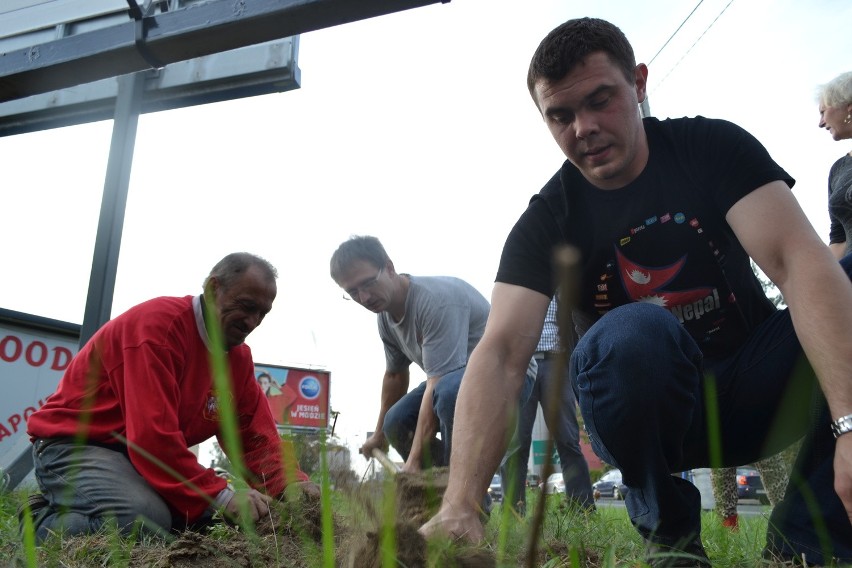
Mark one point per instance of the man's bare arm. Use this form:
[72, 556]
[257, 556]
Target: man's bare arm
[838, 250]
[488, 395]
[427, 426]
[777, 235]
[394, 387]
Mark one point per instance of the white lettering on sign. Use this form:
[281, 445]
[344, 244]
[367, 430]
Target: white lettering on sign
[311, 411]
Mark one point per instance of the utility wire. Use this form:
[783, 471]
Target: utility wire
[675, 32]
[694, 44]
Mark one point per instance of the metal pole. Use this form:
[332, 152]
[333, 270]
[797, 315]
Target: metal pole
[113, 205]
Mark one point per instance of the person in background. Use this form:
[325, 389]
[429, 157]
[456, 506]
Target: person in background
[835, 115]
[433, 321]
[773, 474]
[112, 443]
[561, 419]
[665, 216]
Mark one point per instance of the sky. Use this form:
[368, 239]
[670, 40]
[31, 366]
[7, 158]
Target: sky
[415, 127]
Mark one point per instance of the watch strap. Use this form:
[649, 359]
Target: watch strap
[842, 425]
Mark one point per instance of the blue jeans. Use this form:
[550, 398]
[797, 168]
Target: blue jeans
[566, 435]
[87, 486]
[640, 380]
[401, 419]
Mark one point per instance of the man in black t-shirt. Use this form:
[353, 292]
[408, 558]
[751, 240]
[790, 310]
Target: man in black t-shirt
[683, 362]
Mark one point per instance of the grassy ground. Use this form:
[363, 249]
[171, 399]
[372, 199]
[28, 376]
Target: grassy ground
[569, 538]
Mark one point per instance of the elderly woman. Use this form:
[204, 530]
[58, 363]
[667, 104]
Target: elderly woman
[835, 115]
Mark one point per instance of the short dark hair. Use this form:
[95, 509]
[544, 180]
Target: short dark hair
[357, 248]
[567, 45]
[230, 268]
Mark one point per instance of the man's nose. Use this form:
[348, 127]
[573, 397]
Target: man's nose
[253, 320]
[585, 124]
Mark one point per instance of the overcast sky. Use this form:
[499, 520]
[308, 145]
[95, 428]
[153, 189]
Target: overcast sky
[414, 127]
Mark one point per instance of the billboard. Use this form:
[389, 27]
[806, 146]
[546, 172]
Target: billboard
[298, 398]
[34, 353]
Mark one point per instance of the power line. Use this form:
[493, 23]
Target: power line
[675, 32]
[694, 44]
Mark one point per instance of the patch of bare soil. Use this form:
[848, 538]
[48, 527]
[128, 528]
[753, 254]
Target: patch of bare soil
[290, 536]
[418, 497]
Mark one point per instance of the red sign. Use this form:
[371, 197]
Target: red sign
[298, 398]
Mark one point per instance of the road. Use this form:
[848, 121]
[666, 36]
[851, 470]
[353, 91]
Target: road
[745, 507]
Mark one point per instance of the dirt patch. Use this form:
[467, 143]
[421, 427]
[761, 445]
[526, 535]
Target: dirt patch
[418, 497]
[291, 535]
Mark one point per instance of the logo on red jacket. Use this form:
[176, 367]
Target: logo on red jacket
[211, 407]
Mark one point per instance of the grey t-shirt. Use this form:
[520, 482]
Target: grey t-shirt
[444, 320]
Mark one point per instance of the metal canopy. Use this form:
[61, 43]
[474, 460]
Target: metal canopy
[249, 71]
[170, 36]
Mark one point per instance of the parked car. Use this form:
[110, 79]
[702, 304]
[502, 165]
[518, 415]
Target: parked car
[554, 484]
[533, 480]
[750, 485]
[610, 485]
[496, 488]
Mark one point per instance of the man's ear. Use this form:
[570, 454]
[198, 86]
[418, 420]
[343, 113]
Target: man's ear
[641, 81]
[211, 286]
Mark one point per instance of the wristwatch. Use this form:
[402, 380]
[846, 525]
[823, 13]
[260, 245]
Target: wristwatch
[842, 425]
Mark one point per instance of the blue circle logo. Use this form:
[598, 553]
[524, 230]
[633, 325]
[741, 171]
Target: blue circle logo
[309, 387]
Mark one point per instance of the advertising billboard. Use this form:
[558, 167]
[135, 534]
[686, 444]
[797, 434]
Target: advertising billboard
[298, 398]
[34, 353]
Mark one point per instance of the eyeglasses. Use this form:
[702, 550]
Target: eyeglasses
[355, 293]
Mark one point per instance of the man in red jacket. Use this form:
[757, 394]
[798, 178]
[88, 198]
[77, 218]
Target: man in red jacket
[112, 443]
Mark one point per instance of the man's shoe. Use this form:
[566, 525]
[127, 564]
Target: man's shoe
[732, 522]
[32, 507]
[691, 555]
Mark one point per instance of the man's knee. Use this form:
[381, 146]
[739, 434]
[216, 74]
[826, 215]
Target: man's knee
[631, 330]
[393, 423]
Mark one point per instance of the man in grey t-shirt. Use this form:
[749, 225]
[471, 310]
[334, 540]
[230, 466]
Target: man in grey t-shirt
[433, 321]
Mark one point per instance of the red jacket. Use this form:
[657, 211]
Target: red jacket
[145, 377]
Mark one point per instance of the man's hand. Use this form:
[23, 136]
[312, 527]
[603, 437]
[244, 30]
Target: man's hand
[256, 505]
[309, 488]
[411, 465]
[377, 440]
[843, 471]
[457, 522]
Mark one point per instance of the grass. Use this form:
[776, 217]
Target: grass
[570, 538]
[346, 518]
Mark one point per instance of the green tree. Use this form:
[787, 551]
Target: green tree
[220, 459]
[769, 288]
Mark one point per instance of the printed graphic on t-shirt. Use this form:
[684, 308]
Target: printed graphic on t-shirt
[668, 260]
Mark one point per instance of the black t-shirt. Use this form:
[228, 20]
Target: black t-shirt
[661, 239]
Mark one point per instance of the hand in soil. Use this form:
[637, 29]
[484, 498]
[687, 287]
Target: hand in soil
[455, 522]
[411, 466]
[254, 503]
[307, 487]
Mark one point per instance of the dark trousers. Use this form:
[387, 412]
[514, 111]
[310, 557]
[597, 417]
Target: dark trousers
[648, 400]
[563, 426]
